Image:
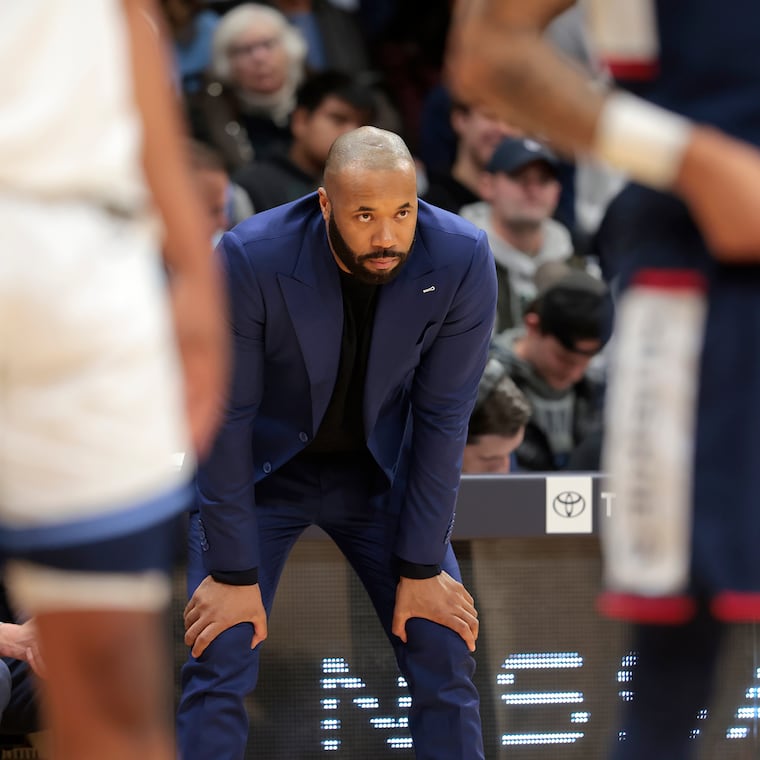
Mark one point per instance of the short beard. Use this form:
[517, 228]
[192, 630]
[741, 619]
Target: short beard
[355, 262]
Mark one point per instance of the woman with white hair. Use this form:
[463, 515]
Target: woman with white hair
[258, 61]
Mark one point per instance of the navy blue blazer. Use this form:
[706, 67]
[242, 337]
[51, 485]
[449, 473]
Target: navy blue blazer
[428, 349]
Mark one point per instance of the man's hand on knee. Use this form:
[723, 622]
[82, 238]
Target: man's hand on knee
[215, 607]
[440, 599]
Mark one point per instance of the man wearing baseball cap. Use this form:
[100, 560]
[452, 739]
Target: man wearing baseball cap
[520, 192]
[549, 358]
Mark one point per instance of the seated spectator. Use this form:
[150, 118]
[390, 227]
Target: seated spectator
[497, 424]
[549, 359]
[258, 62]
[192, 29]
[477, 136]
[328, 105]
[226, 203]
[520, 192]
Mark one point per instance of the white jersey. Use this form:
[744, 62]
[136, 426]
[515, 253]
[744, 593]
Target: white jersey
[91, 403]
[68, 122]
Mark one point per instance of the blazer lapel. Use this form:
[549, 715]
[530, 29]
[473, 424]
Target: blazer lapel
[315, 305]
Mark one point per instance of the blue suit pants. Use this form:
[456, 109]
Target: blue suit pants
[343, 498]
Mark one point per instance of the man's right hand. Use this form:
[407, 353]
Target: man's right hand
[215, 607]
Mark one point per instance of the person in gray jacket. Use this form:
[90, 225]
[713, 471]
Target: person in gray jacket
[550, 359]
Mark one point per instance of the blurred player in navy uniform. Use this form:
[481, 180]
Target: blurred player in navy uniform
[96, 333]
[683, 418]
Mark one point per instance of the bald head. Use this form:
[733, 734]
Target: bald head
[367, 149]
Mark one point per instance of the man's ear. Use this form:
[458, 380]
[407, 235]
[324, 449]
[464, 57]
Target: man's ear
[324, 203]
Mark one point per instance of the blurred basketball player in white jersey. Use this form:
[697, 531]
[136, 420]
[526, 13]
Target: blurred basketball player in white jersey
[112, 360]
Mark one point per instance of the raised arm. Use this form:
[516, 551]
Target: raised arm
[498, 60]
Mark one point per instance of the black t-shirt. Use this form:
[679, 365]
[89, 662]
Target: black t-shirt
[342, 427]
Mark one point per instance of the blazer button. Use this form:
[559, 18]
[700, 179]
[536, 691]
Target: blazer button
[202, 536]
[267, 467]
[303, 437]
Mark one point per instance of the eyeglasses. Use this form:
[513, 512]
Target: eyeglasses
[266, 45]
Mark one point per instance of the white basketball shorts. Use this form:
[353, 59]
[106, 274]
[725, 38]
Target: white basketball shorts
[91, 407]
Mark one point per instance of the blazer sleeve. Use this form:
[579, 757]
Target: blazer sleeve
[443, 395]
[225, 480]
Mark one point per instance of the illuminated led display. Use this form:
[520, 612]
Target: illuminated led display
[551, 674]
[510, 740]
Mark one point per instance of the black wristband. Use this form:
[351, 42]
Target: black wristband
[417, 571]
[236, 577]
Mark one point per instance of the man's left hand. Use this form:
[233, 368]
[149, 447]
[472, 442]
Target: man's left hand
[440, 599]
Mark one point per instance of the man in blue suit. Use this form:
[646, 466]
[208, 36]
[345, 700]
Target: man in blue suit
[361, 320]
